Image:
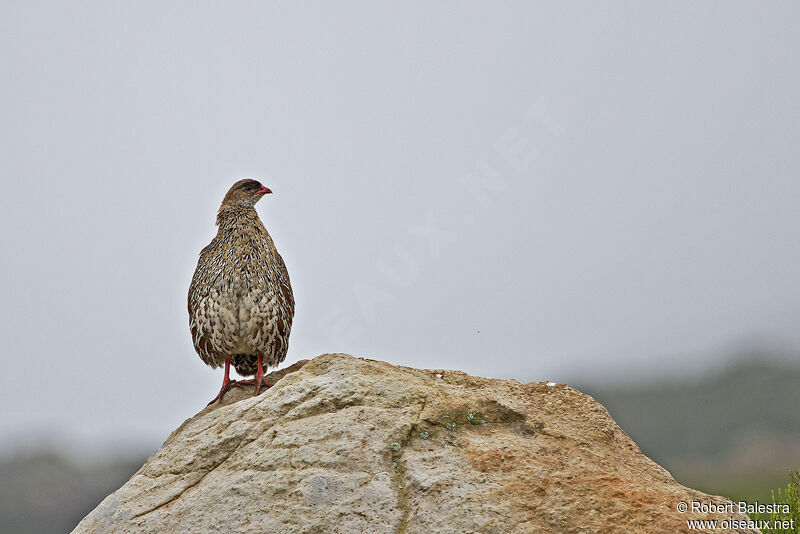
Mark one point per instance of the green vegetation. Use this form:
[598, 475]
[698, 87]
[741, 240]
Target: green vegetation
[788, 498]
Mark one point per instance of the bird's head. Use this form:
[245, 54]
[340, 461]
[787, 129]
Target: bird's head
[244, 194]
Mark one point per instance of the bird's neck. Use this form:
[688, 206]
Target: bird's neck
[233, 216]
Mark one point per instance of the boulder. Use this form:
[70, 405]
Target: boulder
[347, 445]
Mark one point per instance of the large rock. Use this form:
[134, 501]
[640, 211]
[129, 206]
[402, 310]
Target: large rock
[344, 445]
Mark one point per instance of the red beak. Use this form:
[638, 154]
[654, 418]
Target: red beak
[263, 191]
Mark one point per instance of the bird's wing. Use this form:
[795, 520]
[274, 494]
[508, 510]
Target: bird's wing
[285, 284]
[199, 314]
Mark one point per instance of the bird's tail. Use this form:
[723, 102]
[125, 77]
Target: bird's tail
[245, 364]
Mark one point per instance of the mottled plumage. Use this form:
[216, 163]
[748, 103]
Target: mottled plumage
[240, 300]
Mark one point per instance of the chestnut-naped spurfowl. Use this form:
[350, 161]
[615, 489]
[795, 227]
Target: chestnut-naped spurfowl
[240, 300]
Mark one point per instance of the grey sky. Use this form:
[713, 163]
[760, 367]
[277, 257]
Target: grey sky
[640, 205]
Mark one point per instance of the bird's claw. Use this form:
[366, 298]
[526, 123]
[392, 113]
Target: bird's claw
[240, 384]
[225, 388]
[258, 390]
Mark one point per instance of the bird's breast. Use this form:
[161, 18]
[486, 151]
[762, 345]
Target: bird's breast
[238, 299]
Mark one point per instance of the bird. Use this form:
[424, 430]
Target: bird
[241, 303]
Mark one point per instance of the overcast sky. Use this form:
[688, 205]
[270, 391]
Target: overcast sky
[532, 190]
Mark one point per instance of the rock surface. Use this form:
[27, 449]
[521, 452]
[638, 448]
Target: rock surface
[345, 445]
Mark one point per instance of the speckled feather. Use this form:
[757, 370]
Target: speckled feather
[240, 299]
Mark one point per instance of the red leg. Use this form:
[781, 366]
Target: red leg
[227, 383]
[260, 376]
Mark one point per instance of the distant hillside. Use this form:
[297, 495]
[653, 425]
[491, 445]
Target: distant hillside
[735, 433]
[43, 493]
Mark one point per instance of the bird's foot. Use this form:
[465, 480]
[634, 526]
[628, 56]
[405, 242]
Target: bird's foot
[227, 386]
[258, 390]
